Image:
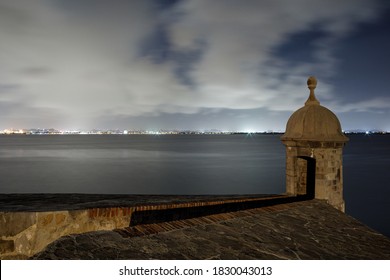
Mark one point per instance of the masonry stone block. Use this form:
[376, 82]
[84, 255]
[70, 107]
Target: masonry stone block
[6, 246]
[60, 218]
[12, 223]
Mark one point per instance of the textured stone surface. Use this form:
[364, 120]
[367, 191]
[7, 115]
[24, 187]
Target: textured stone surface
[314, 133]
[314, 122]
[6, 246]
[24, 221]
[306, 230]
[29, 238]
[30, 232]
[328, 172]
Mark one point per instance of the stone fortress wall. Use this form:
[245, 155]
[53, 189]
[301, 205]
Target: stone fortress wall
[23, 234]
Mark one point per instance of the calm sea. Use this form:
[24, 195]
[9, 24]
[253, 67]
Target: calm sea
[186, 164]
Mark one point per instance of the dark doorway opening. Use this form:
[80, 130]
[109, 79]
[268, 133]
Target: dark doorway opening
[307, 176]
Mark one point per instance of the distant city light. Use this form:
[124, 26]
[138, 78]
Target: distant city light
[52, 131]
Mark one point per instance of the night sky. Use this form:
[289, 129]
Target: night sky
[191, 64]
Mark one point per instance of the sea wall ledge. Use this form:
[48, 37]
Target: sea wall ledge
[29, 222]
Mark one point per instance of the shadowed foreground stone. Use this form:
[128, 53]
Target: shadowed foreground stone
[6, 246]
[303, 230]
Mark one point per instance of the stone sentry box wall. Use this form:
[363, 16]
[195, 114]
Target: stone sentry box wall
[314, 147]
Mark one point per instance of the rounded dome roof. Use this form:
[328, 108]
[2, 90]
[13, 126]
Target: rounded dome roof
[314, 122]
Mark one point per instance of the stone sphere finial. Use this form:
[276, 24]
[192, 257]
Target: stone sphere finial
[312, 84]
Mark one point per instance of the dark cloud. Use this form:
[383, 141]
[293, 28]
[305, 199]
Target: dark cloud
[12, 19]
[36, 71]
[6, 88]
